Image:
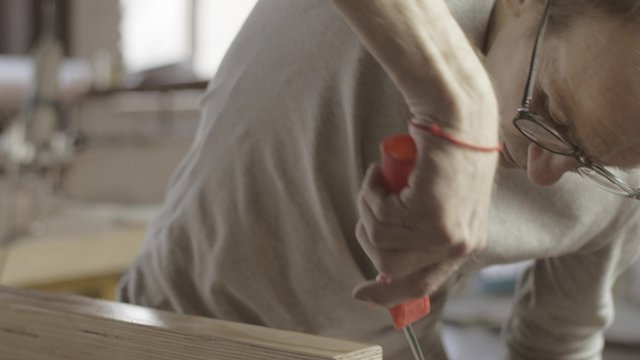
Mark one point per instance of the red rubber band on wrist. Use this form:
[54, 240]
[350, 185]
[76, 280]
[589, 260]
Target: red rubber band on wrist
[437, 131]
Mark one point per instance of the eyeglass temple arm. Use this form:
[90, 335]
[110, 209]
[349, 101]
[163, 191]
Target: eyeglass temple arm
[528, 94]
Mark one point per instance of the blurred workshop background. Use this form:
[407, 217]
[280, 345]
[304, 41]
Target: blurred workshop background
[98, 104]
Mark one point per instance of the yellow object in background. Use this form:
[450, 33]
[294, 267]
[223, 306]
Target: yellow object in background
[88, 265]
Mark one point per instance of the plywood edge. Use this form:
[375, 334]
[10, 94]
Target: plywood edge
[28, 318]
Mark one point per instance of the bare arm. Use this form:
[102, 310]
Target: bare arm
[421, 237]
[428, 56]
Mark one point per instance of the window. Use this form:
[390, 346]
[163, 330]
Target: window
[198, 32]
[155, 33]
[217, 24]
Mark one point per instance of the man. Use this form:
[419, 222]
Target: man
[258, 225]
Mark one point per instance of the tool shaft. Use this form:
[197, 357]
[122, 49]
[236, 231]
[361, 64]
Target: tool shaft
[413, 343]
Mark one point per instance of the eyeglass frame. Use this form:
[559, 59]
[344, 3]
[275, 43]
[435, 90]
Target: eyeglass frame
[525, 114]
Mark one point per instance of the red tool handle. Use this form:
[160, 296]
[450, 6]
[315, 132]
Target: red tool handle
[399, 154]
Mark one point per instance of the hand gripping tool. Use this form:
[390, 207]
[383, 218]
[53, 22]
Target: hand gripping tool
[399, 155]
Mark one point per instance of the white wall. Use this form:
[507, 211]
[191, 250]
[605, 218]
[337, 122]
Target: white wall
[218, 22]
[160, 32]
[155, 33]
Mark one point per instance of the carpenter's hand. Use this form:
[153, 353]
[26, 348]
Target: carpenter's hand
[420, 237]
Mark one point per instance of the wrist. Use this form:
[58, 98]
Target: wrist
[457, 138]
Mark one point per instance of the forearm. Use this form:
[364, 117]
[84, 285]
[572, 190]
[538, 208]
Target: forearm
[562, 308]
[427, 55]
[421, 236]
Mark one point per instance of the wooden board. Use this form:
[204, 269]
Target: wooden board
[36, 326]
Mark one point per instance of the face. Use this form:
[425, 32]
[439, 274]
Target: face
[587, 86]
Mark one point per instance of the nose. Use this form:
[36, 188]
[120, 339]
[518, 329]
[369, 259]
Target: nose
[546, 168]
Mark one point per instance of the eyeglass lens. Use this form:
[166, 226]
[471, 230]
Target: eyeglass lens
[548, 140]
[604, 182]
[543, 137]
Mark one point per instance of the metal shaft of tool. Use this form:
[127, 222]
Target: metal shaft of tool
[413, 343]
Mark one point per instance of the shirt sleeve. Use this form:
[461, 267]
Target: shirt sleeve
[564, 304]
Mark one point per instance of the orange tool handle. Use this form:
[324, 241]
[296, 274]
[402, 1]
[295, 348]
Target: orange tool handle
[399, 155]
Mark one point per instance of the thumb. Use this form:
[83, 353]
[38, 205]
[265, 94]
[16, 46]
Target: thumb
[423, 282]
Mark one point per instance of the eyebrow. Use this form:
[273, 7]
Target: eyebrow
[565, 121]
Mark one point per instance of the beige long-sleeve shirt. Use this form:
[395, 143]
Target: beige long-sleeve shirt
[583, 239]
[258, 224]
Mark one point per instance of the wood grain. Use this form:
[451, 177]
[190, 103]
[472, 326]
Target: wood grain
[35, 326]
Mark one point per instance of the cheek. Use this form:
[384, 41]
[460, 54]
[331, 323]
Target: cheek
[518, 144]
[509, 95]
[516, 148]
[509, 78]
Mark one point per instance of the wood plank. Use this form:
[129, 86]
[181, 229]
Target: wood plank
[35, 326]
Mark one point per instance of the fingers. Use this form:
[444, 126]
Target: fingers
[398, 262]
[421, 283]
[385, 206]
[418, 243]
[385, 234]
[385, 217]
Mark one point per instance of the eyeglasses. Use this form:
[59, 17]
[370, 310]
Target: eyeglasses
[544, 135]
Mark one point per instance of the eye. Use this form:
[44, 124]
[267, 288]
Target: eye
[543, 106]
[556, 115]
[555, 118]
